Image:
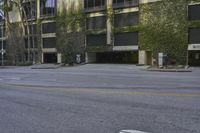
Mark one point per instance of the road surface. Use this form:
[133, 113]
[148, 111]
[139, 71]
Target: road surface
[98, 98]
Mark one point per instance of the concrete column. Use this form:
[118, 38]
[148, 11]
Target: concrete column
[59, 58]
[86, 57]
[38, 9]
[109, 25]
[142, 57]
[42, 61]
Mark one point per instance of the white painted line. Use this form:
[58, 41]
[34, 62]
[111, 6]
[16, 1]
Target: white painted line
[131, 131]
[12, 78]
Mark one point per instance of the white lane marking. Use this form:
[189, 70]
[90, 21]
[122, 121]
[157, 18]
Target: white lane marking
[14, 78]
[11, 78]
[131, 131]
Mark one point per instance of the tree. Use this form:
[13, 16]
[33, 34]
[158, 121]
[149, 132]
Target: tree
[16, 31]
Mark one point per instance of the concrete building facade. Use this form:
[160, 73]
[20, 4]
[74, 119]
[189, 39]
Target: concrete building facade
[194, 34]
[106, 37]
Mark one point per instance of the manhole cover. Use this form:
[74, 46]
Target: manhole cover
[131, 131]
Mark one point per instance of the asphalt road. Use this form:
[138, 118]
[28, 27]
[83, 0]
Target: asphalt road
[98, 99]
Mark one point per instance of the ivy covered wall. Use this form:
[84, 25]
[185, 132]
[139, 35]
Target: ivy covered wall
[70, 34]
[164, 28]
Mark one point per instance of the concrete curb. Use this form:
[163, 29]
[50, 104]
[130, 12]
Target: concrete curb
[46, 66]
[79, 87]
[8, 67]
[168, 70]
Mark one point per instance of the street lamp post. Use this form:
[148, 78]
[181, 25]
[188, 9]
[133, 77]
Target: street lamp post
[2, 48]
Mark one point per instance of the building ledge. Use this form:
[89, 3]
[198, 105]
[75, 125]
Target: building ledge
[194, 46]
[48, 50]
[48, 35]
[94, 9]
[126, 4]
[125, 48]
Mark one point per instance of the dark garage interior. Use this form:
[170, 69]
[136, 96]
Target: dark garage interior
[50, 58]
[118, 57]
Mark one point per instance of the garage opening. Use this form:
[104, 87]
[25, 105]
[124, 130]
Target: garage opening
[117, 57]
[194, 58]
[50, 58]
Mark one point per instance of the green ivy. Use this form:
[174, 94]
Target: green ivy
[70, 34]
[109, 13]
[165, 28]
[195, 23]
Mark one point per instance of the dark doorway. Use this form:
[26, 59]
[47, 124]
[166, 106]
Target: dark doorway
[194, 58]
[50, 58]
[117, 57]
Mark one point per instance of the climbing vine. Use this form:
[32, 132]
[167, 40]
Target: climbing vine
[109, 13]
[70, 34]
[165, 29]
[195, 23]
